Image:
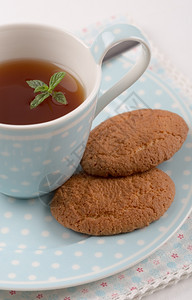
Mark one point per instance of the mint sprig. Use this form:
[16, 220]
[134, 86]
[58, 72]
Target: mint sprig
[46, 91]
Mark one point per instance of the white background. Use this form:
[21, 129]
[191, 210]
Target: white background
[168, 23]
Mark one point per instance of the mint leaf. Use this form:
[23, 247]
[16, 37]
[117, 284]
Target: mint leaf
[35, 83]
[46, 91]
[42, 88]
[38, 99]
[55, 80]
[59, 97]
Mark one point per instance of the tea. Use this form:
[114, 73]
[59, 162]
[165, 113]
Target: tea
[16, 95]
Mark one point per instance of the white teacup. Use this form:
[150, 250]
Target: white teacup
[36, 159]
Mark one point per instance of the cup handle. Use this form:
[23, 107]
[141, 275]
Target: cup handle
[110, 37]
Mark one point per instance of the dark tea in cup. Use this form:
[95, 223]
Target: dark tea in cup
[16, 95]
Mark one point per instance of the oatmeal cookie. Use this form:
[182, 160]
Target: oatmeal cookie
[133, 142]
[106, 206]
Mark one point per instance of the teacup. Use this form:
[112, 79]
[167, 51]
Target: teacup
[36, 159]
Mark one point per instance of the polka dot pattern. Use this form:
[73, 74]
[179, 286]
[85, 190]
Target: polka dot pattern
[46, 159]
[35, 264]
[140, 242]
[75, 267]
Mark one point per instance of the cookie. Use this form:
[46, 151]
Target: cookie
[133, 142]
[106, 206]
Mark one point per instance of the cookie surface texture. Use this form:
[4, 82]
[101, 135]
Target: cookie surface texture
[108, 206]
[133, 142]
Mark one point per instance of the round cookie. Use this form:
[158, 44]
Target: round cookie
[133, 142]
[107, 206]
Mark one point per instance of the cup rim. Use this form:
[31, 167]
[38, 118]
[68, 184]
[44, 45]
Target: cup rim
[74, 112]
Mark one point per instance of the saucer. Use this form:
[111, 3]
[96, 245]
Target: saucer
[37, 253]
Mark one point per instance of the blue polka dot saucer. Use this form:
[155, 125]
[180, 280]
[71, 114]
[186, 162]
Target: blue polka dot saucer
[38, 253]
